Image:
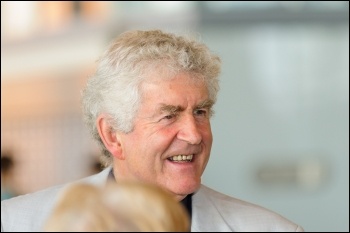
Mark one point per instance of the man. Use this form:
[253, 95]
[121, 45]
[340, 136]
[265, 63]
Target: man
[149, 106]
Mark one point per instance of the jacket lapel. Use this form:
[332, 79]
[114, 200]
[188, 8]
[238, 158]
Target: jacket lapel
[205, 216]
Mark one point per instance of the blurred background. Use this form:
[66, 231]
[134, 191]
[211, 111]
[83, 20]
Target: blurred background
[281, 127]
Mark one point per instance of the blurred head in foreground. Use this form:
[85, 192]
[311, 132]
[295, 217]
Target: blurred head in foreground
[128, 206]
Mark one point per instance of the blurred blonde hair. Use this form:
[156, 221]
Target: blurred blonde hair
[127, 206]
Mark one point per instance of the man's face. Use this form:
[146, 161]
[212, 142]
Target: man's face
[171, 141]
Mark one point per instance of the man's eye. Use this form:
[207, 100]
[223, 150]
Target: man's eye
[169, 117]
[201, 112]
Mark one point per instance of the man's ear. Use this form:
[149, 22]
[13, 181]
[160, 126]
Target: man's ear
[109, 137]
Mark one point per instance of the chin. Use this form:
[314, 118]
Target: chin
[185, 189]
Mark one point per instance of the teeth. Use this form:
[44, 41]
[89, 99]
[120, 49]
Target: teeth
[181, 158]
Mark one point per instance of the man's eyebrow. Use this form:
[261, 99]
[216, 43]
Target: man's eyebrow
[171, 108]
[205, 104]
[174, 109]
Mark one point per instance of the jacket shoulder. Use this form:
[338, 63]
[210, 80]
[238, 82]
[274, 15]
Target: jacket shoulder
[29, 212]
[236, 214]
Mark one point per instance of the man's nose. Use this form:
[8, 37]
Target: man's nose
[189, 131]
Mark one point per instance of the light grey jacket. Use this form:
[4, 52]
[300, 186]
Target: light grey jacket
[211, 211]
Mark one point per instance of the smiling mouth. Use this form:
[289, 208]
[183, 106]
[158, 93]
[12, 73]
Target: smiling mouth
[181, 158]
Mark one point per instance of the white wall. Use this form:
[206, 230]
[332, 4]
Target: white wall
[281, 128]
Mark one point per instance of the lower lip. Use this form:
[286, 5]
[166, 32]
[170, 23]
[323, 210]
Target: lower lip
[181, 164]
